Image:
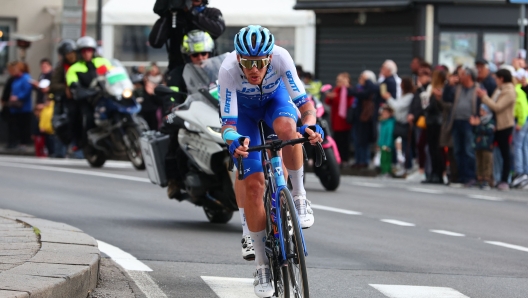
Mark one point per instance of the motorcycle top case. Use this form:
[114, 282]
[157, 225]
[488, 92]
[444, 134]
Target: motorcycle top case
[154, 147]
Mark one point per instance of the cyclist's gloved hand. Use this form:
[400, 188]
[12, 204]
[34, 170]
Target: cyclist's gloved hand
[235, 144]
[315, 128]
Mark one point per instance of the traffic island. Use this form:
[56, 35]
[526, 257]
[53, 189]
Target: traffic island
[40, 258]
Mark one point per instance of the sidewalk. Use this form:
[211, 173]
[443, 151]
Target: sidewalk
[41, 258]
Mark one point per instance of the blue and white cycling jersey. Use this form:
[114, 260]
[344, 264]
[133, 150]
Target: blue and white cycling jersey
[235, 90]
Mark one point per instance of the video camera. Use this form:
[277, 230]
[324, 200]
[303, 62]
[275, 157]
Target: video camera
[163, 7]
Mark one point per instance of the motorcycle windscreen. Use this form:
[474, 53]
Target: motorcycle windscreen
[118, 83]
[201, 76]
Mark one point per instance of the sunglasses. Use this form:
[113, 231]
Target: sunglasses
[258, 63]
[195, 55]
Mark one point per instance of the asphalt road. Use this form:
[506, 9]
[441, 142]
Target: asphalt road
[406, 239]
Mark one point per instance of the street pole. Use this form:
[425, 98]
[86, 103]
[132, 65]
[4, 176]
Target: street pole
[83, 22]
[99, 25]
[521, 24]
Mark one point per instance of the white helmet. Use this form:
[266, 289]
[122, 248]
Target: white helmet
[86, 42]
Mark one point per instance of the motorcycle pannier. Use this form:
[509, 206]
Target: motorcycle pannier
[154, 147]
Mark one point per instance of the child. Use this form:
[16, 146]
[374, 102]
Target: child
[386, 140]
[484, 130]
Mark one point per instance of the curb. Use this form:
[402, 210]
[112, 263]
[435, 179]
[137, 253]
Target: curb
[65, 266]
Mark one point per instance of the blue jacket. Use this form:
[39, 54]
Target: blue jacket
[22, 89]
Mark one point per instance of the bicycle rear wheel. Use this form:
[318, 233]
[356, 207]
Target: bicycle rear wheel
[298, 275]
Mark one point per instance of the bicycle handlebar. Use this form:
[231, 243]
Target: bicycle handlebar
[276, 145]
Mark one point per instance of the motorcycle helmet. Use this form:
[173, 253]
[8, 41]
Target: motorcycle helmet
[66, 46]
[197, 41]
[86, 42]
[254, 40]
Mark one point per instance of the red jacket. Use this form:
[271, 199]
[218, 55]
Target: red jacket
[338, 123]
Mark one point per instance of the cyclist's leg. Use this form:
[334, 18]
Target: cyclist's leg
[282, 115]
[252, 189]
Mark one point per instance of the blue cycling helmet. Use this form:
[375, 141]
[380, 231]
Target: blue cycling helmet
[254, 40]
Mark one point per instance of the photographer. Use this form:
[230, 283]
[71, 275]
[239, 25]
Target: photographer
[179, 17]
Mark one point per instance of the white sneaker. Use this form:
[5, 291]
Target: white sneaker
[248, 252]
[263, 285]
[519, 180]
[304, 211]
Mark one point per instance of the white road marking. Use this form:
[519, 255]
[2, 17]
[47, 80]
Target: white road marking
[398, 222]
[512, 246]
[425, 190]
[397, 291]
[368, 184]
[332, 209]
[145, 283]
[448, 233]
[66, 162]
[487, 198]
[228, 287]
[135, 269]
[123, 258]
[75, 171]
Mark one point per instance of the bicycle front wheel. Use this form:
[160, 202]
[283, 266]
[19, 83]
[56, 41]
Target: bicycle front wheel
[298, 275]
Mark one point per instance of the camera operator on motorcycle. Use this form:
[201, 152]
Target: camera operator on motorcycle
[258, 81]
[79, 77]
[197, 46]
[67, 128]
[177, 19]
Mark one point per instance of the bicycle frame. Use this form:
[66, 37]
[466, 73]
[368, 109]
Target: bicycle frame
[276, 182]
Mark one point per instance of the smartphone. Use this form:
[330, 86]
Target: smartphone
[383, 88]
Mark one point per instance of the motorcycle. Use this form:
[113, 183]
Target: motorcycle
[118, 127]
[207, 182]
[328, 173]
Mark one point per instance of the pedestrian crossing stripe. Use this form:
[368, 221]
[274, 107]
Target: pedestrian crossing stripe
[401, 291]
[228, 287]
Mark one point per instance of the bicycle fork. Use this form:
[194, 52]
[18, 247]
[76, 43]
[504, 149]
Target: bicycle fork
[280, 183]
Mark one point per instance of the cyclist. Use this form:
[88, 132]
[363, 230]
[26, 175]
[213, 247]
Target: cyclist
[258, 81]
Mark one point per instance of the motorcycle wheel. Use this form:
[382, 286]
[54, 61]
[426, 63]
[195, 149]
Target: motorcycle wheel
[95, 158]
[134, 152]
[218, 215]
[329, 173]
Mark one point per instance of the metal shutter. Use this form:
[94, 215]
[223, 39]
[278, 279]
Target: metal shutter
[353, 49]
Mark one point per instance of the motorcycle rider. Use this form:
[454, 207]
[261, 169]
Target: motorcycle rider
[71, 130]
[259, 81]
[79, 77]
[197, 46]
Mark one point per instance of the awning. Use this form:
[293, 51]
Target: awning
[235, 13]
[330, 4]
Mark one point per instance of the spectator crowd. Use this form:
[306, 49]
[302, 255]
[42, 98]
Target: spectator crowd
[464, 127]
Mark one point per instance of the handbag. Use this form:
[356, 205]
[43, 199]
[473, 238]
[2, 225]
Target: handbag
[420, 123]
[160, 33]
[46, 116]
[367, 110]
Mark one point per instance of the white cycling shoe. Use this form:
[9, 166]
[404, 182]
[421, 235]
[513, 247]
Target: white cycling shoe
[304, 211]
[263, 285]
[248, 252]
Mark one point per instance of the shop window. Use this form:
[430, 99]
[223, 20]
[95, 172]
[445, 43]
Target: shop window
[284, 37]
[131, 44]
[458, 48]
[7, 51]
[500, 48]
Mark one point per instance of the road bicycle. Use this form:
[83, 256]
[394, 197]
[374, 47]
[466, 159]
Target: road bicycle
[285, 245]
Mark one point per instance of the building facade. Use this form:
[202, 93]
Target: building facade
[355, 35]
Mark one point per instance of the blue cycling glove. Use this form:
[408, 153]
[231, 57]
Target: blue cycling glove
[316, 128]
[235, 144]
